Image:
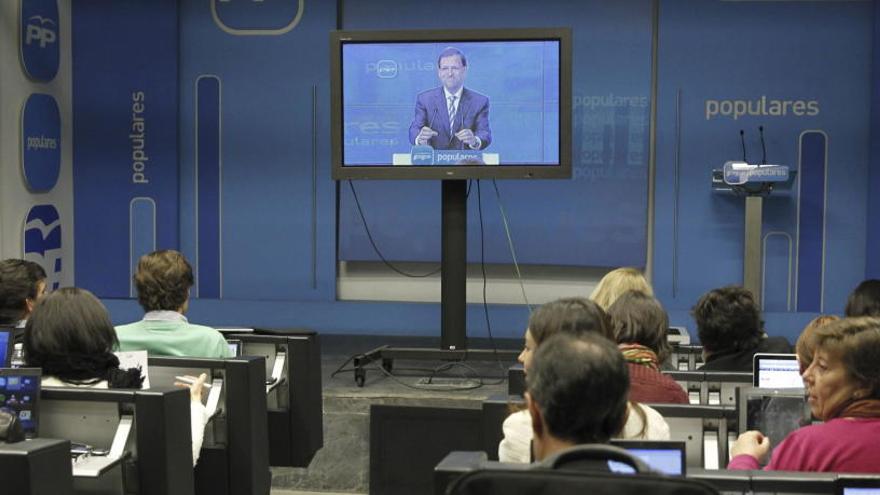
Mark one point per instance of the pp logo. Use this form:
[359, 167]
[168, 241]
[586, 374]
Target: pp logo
[422, 155]
[41, 142]
[42, 241]
[386, 69]
[39, 38]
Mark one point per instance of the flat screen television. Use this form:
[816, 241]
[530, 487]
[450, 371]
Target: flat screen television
[451, 104]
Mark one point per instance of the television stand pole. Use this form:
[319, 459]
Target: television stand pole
[453, 296]
[453, 266]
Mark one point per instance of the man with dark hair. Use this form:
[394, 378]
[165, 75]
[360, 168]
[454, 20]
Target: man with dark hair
[163, 280]
[451, 116]
[22, 284]
[577, 391]
[730, 329]
[864, 300]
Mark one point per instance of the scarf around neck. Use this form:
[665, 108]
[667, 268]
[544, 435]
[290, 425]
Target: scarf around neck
[641, 355]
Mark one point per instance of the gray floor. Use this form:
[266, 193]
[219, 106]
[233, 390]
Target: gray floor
[342, 465]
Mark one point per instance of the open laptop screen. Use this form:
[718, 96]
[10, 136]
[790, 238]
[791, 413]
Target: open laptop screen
[234, 347]
[20, 393]
[665, 457]
[5, 347]
[774, 412]
[777, 371]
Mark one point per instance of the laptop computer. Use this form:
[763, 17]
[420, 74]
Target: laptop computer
[20, 393]
[776, 371]
[6, 345]
[662, 456]
[775, 412]
[234, 347]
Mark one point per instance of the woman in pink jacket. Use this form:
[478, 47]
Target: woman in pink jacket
[843, 387]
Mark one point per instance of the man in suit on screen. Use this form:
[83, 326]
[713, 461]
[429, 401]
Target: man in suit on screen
[451, 116]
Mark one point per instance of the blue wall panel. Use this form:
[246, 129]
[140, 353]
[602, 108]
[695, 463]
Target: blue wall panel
[812, 194]
[208, 183]
[125, 134]
[267, 230]
[873, 225]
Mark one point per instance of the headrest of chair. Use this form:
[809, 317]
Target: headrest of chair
[595, 452]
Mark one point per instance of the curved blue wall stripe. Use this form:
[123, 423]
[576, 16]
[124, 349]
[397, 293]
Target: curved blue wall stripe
[777, 272]
[208, 186]
[142, 237]
[811, 220]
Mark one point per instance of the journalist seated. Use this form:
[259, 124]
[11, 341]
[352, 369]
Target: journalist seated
[576, 393]
[730, 328]
[843, 388]
[573, 316]
[163, 280]
[640, 325]
[864, 299]
[22, 284]
[69, 335]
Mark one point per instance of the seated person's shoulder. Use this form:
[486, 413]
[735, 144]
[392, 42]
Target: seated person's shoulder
[779, 345]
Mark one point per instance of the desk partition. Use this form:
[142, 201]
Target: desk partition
[293, 393]
[24, 467]
[146, 432]
[235, 455]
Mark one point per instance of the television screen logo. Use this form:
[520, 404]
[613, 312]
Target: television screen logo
[39, 38]
[42, 241]
[422, 155]
[41, 142]
[386, 69]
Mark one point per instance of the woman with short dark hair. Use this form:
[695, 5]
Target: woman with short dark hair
[640, 325]
[69, 335]
[843, 388]
[864, 300]
[731, 331]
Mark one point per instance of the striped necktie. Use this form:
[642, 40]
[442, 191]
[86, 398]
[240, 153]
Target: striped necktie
[451, 110]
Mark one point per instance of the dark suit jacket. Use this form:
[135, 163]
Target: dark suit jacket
[734, 360]
[431, 111]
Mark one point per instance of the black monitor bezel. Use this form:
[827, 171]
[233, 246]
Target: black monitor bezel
[560, 171]
[676, 445]
[38, 374]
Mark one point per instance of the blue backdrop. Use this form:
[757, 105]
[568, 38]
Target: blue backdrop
[235, 110]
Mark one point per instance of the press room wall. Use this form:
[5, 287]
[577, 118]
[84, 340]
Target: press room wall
[238, 144]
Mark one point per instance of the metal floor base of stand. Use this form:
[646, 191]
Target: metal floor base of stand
[387, 354]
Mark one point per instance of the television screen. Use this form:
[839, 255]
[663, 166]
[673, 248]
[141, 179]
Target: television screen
[451, 104]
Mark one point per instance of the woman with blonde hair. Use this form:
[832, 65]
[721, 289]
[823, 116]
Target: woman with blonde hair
[616, 282]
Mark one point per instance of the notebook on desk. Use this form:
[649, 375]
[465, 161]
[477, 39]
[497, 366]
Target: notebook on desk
[662, 456]
[20, 393]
